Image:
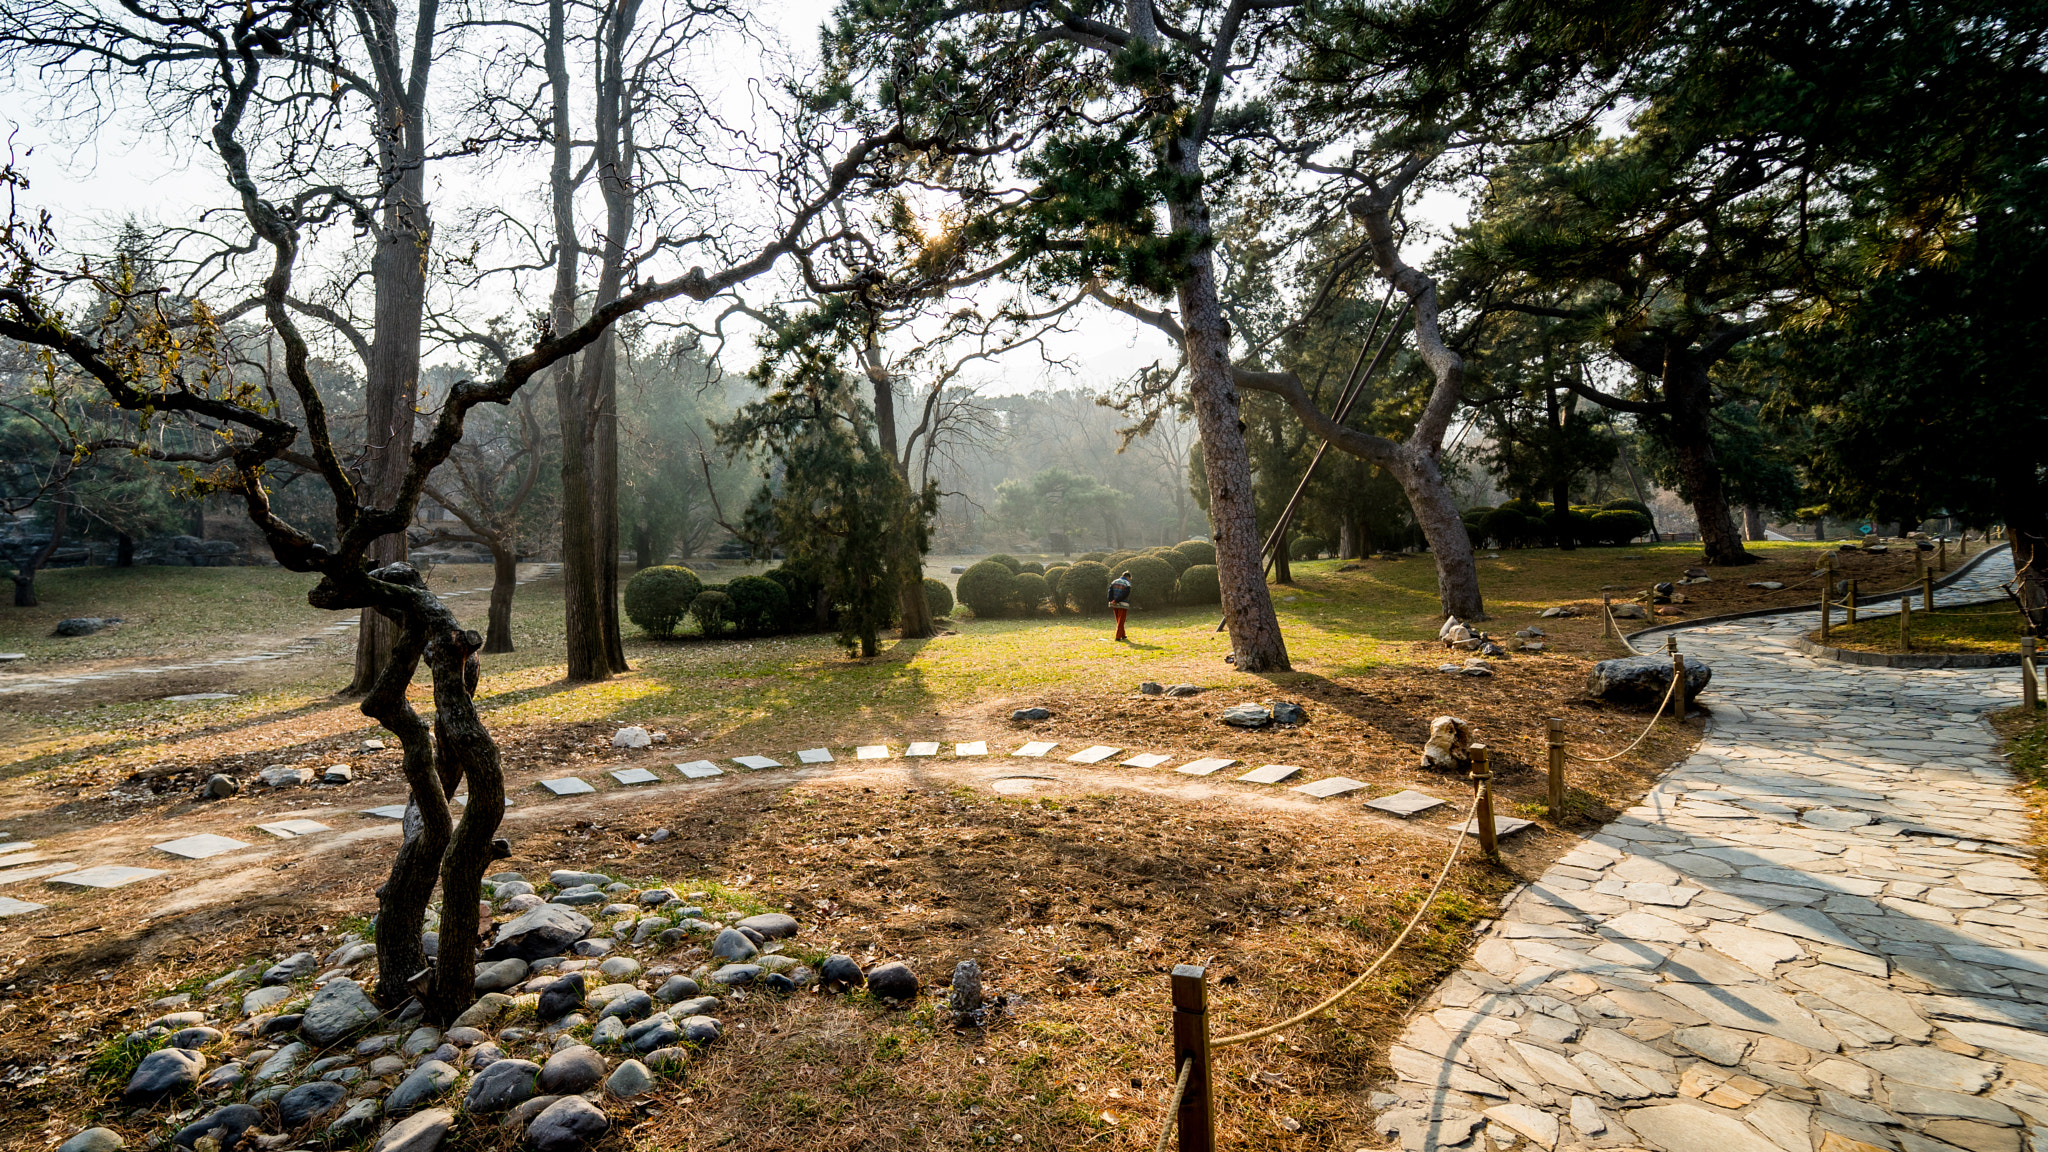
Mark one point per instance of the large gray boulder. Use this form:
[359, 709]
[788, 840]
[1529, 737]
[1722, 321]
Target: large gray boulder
[421, 1133]
[502, 1086]
[773, 925]
[545, 931]
[339, 1009]
[568, 1125]
[225, 1125]
[164, 1072]
[1643, 679]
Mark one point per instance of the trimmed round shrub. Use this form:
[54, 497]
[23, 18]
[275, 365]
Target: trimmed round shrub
[1055, 579]
[713, 610]
[1528, 508]
[986, 588]
[1120, 560]
[1580, 525]
[1619, 525]
[657, 599]
[1305, 548]
[1627, 506]
[1197, 551]
[802, 596]
[1085, 588]
[1174, 557]
[1031, 566]
[1007, 561]
[759, 605]
[1508, 527]
[1201, 584]
[938, 596]
[1152, 581]
[1031, 592]
[1097, 557]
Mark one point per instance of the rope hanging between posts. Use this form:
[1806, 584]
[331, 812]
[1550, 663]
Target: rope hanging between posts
[1388, 952]
[1187, 1069]
[1654, 717]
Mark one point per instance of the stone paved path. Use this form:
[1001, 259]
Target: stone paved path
[36, 683]
[1820, 932]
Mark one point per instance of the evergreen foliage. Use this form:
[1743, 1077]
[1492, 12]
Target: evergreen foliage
[987, 588]
[713, 610]
[657, 599]
[759, 605]
[938, 596]
[1030, 593]
[1198, 585]
[1152, 582]
[1085, 588]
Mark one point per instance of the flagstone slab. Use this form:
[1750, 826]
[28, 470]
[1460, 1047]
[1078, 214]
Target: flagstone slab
[1204, 767]
[922, 748]
[1271, 774]
[105, 876]
[971, 748]
[815, 756]
[201, 846]
[387, 812]
[568, 786]
[1146, 760]
[1502, 825]
[871, 752]
[1331, 786]
[17, 846]
[37, 871]
[292, 829]
[9, 906]
[1095, 755]
[756, 762]
[634, 776]
[700, 770]
[1406, 802]
[1036, 748]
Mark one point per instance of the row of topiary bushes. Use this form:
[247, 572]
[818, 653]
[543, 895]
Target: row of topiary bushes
[659, 599]
[1002, 585]
[1527, 523]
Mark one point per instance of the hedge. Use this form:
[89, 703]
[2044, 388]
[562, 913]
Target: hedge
[759, 605]
[938, 596]
[986, 588]
[1152, 581]
[1197, 551]
[713, 610]
[658, 598]
[1201, 584]
[1085, 588]
[1031, 592]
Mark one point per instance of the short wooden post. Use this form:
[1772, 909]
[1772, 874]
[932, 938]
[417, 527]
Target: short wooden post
[1826, 603]
[1927, 590]
[1197, 1117]
[2030, 692]
[1606, 617]
[1941, 554]
[1677, 677]
[1482, 812]
[1849, 606]
[1905, 623]
[1555, 726]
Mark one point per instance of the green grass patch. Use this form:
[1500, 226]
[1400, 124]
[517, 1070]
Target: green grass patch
[1985, 629]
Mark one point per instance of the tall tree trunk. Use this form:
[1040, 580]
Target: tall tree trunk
[1820, 529]
[1282, 557]
[1689, 391]
[1753, 524]
[913, 611]
[604, 497]
[1347, 538]
[1436, 513]
[643, 546]
[25, 576]
[1560, 487]
[504, 583]
[124, 551]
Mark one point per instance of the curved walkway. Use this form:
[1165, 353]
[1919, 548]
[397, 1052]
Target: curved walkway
[1820, 933]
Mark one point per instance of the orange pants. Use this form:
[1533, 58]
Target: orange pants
[1120, 613]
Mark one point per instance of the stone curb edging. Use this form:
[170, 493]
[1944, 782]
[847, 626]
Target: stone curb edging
[1913, 659]
[1961, 571]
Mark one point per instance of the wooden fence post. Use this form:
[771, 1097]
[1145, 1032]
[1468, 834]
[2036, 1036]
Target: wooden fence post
[2030, 692]
[1849, 606]
[1927, 590]
[1555, 726]
[1482, 812]
[1941, 554]
[1197, 1116]
[1905, 623]
[1678, 676]
[1606, 617]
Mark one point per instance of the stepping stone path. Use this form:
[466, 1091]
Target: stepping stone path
[1095, 755]
[567, 786]
[923, 748]
[1271, 774]
[201, 846]
[971, 748]
[291, 829]
[634, 776]
[1502, 825]
[1331, 786]
[1035, 748]
[871, 752]
[387, 812]
[9, 906]
[756, 762]
[815, 756]
[1407, 802]
[106, 876]
[1822, 931]
[1145, 760]
[700, 770]
[1203, 767]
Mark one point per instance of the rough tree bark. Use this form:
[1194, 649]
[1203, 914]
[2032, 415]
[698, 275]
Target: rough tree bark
[913, 611]
[25, 575]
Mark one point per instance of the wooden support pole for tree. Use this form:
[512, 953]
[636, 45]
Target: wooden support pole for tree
[2030, 692]
[1927, 590]
[1482, 812]
[1197, 1116]
[1849, 606]
[1555, 727]
[1905, 623]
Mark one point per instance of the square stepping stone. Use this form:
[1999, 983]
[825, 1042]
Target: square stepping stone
[871, 752]
[1271, 774]
[464, 800]
[17, 846]
[923, 748]
[1146, 760]
[292, 829]
[1334, 786]
[567, 786]
[9, 906]
[106, 876]
[1036, 748]
[634, 776]
[815, 756]
[699, 770]
[1095, 755]
[1203, 767]
[971, 748]
[35, 871]
[1502, 825]
[756, 762]
[387, 812]
[201, 846]
[1406, 802]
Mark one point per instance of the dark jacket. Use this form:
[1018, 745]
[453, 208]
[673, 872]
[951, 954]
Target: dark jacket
[1119, 591]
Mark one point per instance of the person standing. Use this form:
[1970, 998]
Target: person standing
[1120, 602]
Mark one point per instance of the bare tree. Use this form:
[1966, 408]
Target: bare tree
[487, 484]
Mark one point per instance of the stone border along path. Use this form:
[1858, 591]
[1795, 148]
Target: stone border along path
[320, 637]
[1819, 932]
